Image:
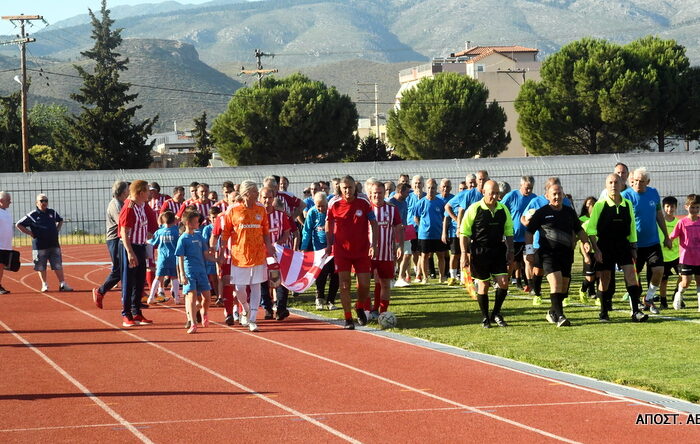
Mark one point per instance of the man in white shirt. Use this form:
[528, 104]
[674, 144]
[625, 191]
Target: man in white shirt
[6, 232]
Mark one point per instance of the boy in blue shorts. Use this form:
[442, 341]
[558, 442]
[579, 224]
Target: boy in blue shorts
[192, 251]
[211, 265]
[165, 240]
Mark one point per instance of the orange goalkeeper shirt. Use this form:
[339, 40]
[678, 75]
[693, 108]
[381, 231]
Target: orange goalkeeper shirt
[246, 228]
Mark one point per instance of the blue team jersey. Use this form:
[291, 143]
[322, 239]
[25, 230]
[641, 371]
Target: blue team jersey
[309, 202]
[464, 199]
[535, 204]
[411, 202]
[402, 206]
[517, 203]
[192, 247]
[430, 213]
[645, 205]
[313, 234]
[452, 226]
[165, 240]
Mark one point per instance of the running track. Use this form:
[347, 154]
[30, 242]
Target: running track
[71, 373]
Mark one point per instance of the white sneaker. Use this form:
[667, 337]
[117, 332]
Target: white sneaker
[244, 320]
[319, 304]
[401, 283]
[151, 300]
[252, 326]
[677, 299]
[65, 287]
[44, 287]
[331, 306]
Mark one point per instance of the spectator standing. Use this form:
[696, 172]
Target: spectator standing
[5, 234]
[43, 225]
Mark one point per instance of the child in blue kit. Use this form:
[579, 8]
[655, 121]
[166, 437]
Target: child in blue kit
[165, 240]
[192, 252]
[211, 265]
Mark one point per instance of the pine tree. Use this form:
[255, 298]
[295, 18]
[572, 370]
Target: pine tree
[103, 136]
[202, 141]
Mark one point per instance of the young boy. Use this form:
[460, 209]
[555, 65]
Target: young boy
[688, 232]
[669, 205]
[165, 240]
[209, 265]
[192, 251]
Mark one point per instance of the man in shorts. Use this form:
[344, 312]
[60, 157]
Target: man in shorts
[649, 219]
[613, 236]
[484, 227]
[517, 201]
[43, 225]
[428, 215]
[6, 232]
[399, 201]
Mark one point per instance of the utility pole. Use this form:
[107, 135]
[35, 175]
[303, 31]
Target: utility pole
[376, 103]
[260, 72]
[22, 41]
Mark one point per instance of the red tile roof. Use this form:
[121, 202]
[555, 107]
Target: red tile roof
[483, 55]
[478, 50]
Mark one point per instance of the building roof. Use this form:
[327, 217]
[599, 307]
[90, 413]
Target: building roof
[485, 54]
[478, 50]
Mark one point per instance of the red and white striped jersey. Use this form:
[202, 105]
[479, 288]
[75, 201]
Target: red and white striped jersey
[223, 204]
[202, 208]
[289, 202]
[157, 202]
[387, 217]
[279, 223]
[135, 219]
[171, 205]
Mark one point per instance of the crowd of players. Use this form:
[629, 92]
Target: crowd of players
[221, 249]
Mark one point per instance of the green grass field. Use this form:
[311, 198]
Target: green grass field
[661, 355]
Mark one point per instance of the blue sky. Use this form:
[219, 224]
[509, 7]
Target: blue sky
[57, 10]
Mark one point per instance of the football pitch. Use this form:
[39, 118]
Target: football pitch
[661, 355]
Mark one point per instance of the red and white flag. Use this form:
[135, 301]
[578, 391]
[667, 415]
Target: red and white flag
[299, 269]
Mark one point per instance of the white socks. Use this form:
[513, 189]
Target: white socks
[453, 273]
[154, 289]
[651, 292]
[175, 288]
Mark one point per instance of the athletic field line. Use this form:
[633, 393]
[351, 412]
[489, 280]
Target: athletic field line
[123, 422]
[214, 373]
[320, 415]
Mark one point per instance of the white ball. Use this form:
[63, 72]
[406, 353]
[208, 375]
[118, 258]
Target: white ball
[387, 320]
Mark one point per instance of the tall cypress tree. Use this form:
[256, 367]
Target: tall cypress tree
[202, 141]
[103, 136]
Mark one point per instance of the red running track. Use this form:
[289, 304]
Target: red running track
[71, 373]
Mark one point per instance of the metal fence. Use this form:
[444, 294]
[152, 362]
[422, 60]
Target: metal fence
[81, 197]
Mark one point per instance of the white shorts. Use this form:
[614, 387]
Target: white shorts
[248, 275]
[407, 247]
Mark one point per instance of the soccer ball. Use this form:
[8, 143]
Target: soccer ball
[386, 320]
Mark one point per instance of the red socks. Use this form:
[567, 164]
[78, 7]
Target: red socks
[228, 299]
[383, 306]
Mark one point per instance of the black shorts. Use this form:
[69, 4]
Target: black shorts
[415, 248]
[589, 269]
[5, 257]
[689, 270]
[486, 262]
[537, 263]
[619, 255]
[669, 268]
[651, 256]
[518, 251]
[431, 245]
[455, 247]
[553, 261]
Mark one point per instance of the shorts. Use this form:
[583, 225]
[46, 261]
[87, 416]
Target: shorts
[689, 270]
[432, 245]
[415, 246]
[210, 267]
[407, 247]
[619, 255]
[52, 255]
[164, 270]
[225, 269]
[385, 269]
[454, 245]
[537, 262]
[359, 264]
[553, 261]
[248, 275]
[487, 262]
[518, 252]
[651, 256]
[669, 268]
[196, 282]
[5, 257]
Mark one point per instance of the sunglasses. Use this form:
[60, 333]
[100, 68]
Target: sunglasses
[43, 200]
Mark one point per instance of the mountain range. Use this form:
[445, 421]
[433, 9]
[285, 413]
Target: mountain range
[203, 47]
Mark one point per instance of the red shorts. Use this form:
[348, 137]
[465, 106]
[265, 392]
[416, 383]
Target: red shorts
[359, 264]
[385, 269]
[225, 269]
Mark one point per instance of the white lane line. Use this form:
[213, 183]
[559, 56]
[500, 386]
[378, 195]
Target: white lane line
[224, 378]
[267, 417]
[123, 422]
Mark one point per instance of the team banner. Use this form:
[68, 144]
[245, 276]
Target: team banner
[299, 269]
